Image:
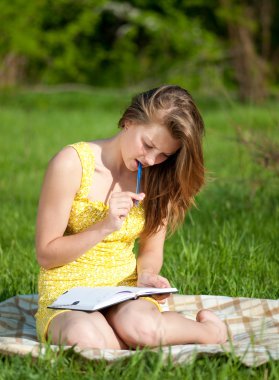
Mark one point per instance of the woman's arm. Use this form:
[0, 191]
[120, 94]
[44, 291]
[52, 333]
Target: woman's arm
[61, 182]
[150, 260]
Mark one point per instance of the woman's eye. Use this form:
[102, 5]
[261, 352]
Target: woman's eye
[147, 146]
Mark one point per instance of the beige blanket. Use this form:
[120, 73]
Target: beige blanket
[253, 324]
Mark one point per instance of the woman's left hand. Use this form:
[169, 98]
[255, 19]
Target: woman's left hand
[151, 280]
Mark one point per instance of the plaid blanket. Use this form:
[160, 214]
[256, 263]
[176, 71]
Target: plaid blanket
[253, 324]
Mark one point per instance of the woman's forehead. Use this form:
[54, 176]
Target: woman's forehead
[161, 138]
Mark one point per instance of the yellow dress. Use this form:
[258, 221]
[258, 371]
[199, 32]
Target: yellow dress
[109, 263]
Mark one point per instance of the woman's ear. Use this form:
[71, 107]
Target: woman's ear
[128, 123]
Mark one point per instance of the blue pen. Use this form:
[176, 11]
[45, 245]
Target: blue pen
[138, 180]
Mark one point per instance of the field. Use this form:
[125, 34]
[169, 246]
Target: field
[228, 245]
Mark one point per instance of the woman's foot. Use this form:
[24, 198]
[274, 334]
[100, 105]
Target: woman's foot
[215, 330]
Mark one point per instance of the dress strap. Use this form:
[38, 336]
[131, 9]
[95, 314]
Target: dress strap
[87, 160]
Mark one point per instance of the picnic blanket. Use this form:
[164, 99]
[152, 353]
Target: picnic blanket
[253, 324]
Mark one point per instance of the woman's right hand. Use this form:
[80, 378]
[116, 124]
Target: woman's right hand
[120, 204]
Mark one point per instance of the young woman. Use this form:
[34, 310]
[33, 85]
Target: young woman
[89, 217]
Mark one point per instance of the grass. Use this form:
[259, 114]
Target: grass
[228, 245]
[143, 365]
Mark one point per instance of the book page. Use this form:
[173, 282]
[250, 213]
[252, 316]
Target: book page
[90, 297]
[150, 291]
[87, 298]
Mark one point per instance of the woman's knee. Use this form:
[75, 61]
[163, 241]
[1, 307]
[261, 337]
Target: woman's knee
[84, 334]
[78, 331]
[139, 328]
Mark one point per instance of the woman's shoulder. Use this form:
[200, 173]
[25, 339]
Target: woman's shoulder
[63, 168]
[70, 157]
[96, 147]
[67, 160]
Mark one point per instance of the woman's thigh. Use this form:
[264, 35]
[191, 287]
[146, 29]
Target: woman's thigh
[86, 330]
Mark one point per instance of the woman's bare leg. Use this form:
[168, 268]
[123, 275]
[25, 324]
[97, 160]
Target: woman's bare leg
[139, 323]
[207, 329]
[86, 330]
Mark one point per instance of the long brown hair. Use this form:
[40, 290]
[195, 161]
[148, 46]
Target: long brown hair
[171, 186]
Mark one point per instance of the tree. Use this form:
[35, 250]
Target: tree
[249, 40]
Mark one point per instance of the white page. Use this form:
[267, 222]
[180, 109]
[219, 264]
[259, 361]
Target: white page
[94, 298]
[86, 296]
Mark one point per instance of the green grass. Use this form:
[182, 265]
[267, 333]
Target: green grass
[228, 245]
[143, 365]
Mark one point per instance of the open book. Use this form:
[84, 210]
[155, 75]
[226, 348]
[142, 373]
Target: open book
[92, 299]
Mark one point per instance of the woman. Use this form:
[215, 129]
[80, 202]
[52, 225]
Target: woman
[88, 222]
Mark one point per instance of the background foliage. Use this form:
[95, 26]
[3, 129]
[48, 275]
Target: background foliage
[196, 43]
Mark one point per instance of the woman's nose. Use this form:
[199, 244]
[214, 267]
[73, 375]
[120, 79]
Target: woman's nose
[150, 159]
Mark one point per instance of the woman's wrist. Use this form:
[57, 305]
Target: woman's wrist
[102, 227]
[145, 270]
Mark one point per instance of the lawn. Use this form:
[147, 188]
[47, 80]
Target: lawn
[228, 245]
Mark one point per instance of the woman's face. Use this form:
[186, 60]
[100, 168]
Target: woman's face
[149, 144]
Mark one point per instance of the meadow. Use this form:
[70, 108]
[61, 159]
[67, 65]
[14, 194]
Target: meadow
[228, 244]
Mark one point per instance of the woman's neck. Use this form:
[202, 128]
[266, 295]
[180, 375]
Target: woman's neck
[111, 156]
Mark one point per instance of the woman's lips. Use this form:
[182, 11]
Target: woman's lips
[143, 165]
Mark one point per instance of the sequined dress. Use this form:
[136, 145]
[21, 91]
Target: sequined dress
[109, 263]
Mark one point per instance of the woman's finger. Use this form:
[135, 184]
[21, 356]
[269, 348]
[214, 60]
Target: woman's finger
[124, 204]
[165, 282]
[128, 194]
[121, 212]
[121, 201]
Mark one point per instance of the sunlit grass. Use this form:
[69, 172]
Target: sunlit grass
[143, 365]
